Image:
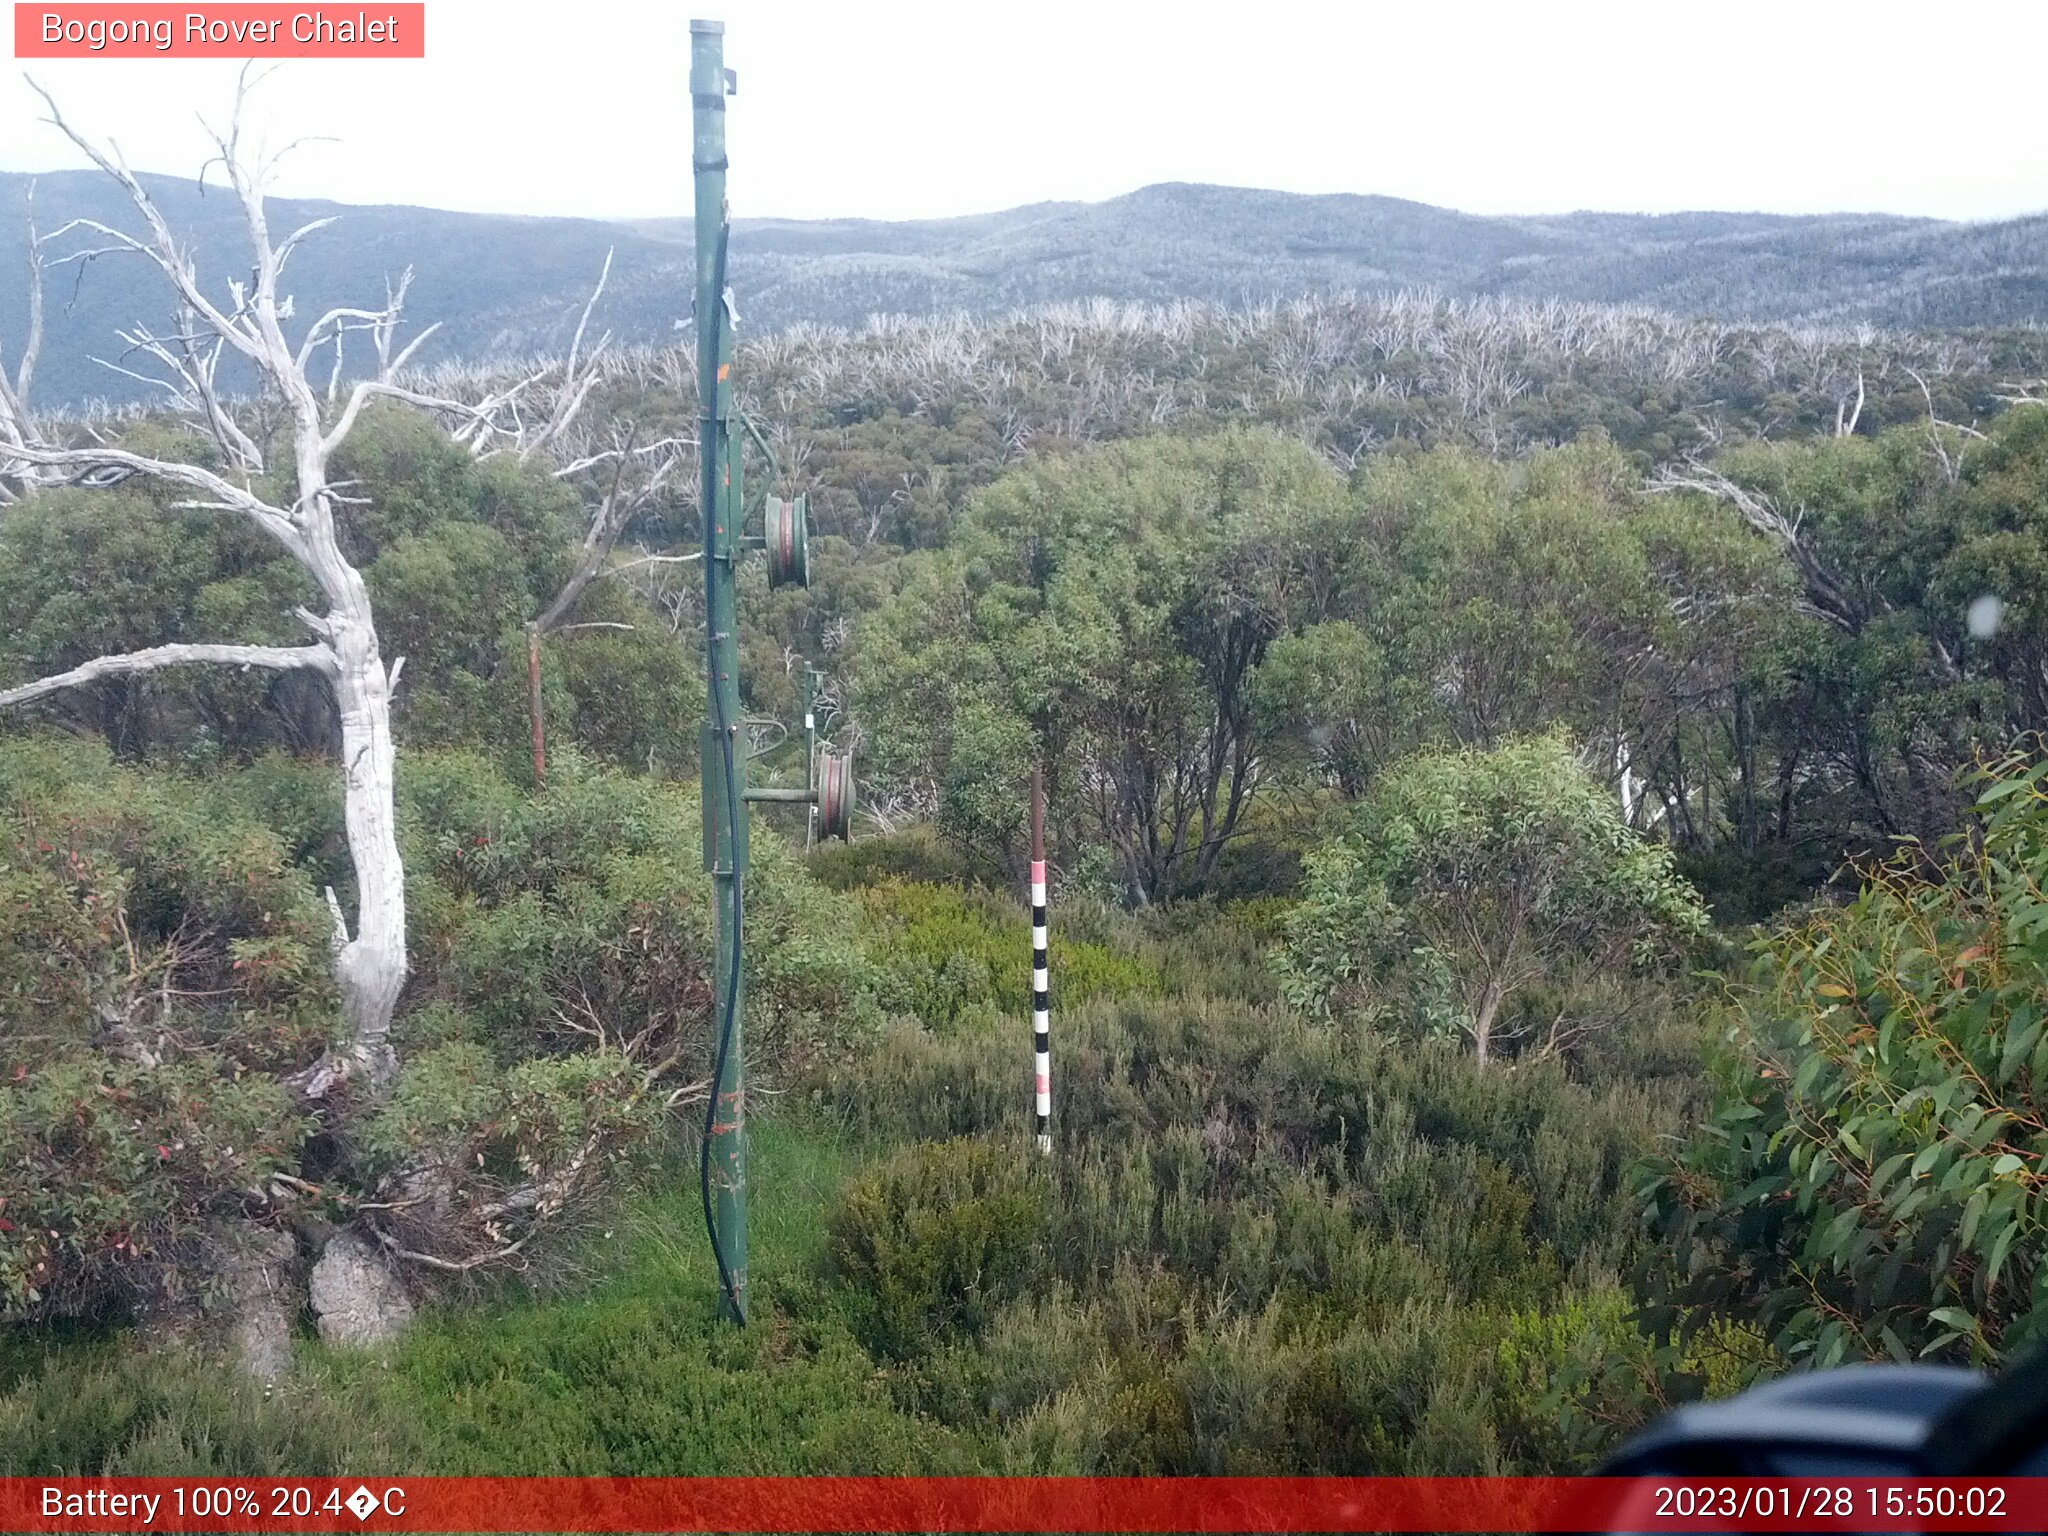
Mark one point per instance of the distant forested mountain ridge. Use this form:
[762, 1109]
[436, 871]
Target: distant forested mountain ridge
[506, 286]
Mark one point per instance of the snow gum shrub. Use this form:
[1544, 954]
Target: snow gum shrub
[1265, 861]
[87, 573]
[631, 696]
[162, 964]
[1870, 1182]
[563, 969]
[537, 910]
[1465, 879]
[935, 1239]
[459, 554]
[415, 480]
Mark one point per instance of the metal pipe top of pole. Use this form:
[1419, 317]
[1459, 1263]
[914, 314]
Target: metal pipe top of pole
[710, 81]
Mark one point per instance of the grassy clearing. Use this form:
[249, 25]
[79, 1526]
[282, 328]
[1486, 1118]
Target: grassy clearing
[631, 1375]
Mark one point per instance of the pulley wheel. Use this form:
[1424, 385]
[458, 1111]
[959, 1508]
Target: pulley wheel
[835, 795]
[788, 539]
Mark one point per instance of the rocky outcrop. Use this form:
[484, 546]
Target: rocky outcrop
[359, 1299]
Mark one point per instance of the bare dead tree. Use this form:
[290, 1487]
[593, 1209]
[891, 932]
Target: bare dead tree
[638, 474]
[370, 962]
[191, 358]
[1939, 433]
[1828, 595]
[16, 427]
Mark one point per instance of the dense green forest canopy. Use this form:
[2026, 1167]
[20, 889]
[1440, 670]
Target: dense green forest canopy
[1436, 700]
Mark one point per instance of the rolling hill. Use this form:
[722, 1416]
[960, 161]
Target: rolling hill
[504, 285]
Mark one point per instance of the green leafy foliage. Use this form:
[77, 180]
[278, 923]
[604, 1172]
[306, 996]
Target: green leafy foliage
[954, 955]
[545, 913]
[1103, 612]
[1883, 686]
[1289, 1227]
[1464, 879]
[562, 1004]
[161, 964]
[458, 554]
[915, 855]
[163, 967]
[1867, 1186]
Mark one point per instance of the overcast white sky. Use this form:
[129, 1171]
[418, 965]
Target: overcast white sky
[902, 109]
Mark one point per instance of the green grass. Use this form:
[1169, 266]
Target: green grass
[633, 1375]
[638, 1376]
[796, 1161]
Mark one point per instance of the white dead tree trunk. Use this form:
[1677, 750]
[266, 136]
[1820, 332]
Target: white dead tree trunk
[370, 962]
[1847, 416]
[16, 428]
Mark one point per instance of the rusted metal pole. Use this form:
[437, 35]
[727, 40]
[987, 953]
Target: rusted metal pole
[540, 731]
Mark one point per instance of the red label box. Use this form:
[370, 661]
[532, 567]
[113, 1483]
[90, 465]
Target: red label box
[1273, 1506]
[379, 30]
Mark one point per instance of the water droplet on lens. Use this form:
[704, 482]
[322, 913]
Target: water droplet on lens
[1984, 615]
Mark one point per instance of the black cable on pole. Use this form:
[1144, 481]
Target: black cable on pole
[711, 333]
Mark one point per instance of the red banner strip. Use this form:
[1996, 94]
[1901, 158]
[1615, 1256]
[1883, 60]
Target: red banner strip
[382, 29]
[978, 1504]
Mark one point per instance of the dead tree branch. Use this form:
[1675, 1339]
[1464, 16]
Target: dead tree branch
[277, 658]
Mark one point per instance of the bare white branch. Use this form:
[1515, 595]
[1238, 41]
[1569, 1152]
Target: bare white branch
[272, 520]
[639, 560]
[276, 658]
[366, 390]
[163, 247]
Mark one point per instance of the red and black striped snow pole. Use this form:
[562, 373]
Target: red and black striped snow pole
[1041, 1002]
